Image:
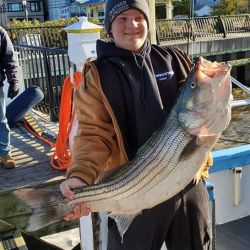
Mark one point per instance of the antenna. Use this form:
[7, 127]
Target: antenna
[190, 30]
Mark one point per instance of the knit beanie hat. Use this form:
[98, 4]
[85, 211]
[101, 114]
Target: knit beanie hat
[115, 7]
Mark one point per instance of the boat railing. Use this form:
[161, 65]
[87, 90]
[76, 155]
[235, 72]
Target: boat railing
[199, 28]
[243, 102]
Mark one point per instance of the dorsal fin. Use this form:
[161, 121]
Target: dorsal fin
[113, 173]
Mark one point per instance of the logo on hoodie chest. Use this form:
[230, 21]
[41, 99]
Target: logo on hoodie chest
[164, 75]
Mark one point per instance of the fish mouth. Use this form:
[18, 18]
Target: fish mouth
[209, 110]
[208, 71]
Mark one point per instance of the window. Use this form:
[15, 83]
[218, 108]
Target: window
[35, 6]
[15, 7]
[101, 14]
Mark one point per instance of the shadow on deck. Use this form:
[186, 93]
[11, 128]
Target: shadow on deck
[33, 163]
[33, 170]
[234, 235]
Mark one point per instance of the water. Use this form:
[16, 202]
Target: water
[238, 131]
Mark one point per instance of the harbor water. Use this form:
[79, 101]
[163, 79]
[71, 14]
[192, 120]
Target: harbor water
[238, 131]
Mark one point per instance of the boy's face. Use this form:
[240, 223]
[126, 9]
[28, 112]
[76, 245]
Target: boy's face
[129, 30]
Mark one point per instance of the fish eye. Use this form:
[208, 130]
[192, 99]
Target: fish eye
[192, 85]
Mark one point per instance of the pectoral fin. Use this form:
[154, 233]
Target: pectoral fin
[190, 148]
[123, 221]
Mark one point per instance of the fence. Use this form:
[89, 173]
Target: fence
[46, 68]
[45, 63]
[202, 28]
[168, 31]
[50, 37]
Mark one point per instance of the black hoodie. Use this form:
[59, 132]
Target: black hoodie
[140, 87]
[8, 64]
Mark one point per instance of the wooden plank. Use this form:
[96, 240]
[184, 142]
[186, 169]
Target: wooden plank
[32, 163]
[32, 170]
[36, 175]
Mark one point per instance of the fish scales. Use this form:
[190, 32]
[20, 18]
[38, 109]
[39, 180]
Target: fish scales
[163, 166]
[151, 151]
[140, 172]
[140, 160]
[137, 184]
[152, 181]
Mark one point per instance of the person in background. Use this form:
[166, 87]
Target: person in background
[8, 68]
[126, 94]
[24, 102]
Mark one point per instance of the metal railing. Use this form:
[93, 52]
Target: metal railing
[168, 31]
[47, 69]
[236, 24]
[51, 36]
[45, 62]
[243, 102]
[200, 28]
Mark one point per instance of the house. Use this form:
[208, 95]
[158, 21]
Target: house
[204, 11]
[57, 9]
[53, 8]
[20, 10]
[73, 9]
[203, 7]
[93, 8]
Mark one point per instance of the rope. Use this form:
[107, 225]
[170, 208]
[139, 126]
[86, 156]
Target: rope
[26, 125]
[61, 158]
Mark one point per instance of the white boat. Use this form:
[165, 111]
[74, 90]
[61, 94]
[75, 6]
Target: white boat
[228, 188]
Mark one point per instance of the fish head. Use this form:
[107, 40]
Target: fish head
[204, 107]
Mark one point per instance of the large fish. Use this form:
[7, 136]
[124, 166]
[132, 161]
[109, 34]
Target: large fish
[164, 165]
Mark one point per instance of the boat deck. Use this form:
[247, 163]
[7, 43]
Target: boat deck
[234, 235]
[32, 163]
[33, 170]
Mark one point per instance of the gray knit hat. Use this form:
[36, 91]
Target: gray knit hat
[115, 7]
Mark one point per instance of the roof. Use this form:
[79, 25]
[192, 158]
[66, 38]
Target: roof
[181, 17]
[204, 11]
[89, 2]
[82, 26]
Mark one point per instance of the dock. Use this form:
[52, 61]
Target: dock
[33, 170]
[234, 235]
[32, 163]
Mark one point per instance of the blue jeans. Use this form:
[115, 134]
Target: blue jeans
[16, 110]
[4, 128]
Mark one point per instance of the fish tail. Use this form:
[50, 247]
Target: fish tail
[44, 205]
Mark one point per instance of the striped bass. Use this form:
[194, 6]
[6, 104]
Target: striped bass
[163, 166]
